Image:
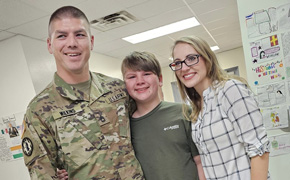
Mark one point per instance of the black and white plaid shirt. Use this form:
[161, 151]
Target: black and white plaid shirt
[229, 131]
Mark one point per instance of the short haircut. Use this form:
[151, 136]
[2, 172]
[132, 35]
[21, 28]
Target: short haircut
[67, 11]
[141, 61]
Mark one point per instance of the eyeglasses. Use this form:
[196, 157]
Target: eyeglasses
[190, 60]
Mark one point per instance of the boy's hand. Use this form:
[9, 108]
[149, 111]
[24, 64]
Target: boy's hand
[62, 174]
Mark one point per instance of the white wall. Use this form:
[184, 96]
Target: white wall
[16, 92]
[279, 165]
[233, 58]
[227, 59]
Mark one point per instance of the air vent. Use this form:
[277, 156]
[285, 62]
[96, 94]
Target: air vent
[113, 21]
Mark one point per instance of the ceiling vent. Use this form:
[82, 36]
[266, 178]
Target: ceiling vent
[113, 21]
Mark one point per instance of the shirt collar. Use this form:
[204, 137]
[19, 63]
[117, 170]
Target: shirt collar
[98, 88]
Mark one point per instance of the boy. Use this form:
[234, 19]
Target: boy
[160, 136]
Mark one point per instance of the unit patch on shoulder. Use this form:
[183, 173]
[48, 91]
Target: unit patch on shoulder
[27, 146]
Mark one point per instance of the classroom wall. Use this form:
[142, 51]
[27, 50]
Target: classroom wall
[279, 165]
[227, 59]
[16, 92]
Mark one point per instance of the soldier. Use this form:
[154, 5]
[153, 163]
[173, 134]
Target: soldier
[79, 122]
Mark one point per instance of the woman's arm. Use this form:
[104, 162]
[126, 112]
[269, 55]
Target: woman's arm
[259, 167]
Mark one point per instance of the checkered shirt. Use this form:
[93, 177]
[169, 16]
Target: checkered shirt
[229, 132]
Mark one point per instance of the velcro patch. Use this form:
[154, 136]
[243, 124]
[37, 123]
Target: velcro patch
[27, 146]
[115, 97]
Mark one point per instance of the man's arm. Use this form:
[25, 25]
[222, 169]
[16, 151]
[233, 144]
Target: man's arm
[259, 167]
[39, 153]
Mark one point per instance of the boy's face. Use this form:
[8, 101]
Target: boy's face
[142, 86]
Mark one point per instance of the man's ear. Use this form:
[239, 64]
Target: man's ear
[92, 42]
[48, 42]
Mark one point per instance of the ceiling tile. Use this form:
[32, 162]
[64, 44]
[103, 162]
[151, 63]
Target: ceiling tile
[18, 13]
[51, 5]
[100, 8]
[130, 3]
[218, 14]
[130, 29]
[207, 6]
[196, 31]
[36, 29]
[154, 7]
[111, 46]
[170, 17]
[5, 35]
[222, 22]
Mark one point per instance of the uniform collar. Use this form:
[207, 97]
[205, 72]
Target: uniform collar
[97, 89]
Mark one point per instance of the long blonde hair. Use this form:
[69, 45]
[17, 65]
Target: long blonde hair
[214, 72]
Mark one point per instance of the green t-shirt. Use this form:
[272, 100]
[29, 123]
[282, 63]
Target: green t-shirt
[163, 144]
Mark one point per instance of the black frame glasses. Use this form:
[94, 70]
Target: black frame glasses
[187, 61]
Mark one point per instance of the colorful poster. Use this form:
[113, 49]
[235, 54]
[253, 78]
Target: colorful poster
[268, 72]
[286, 51]
[271, 95]
[275, 117]
[10, 137]
[265, 49]
[279, 144]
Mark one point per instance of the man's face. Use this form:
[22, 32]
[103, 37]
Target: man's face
[143, 86]
[70, 42]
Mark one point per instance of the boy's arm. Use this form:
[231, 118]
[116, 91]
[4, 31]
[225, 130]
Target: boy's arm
[62, 174]
[197, 161]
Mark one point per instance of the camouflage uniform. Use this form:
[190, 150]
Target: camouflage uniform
[87, 135]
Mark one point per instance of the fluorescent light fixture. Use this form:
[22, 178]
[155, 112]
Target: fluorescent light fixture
[161, 31]
[214, 48]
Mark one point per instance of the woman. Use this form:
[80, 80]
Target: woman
[227, 125]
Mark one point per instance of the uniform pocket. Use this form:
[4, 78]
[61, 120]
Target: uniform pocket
[79, 136]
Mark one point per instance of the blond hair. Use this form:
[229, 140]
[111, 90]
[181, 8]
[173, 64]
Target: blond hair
[214, 72]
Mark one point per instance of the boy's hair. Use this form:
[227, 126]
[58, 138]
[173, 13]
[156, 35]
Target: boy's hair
[141, 61]
[67, 11]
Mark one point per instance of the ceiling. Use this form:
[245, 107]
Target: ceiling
[218, 18]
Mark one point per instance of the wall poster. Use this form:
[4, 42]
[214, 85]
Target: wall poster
[10, 137]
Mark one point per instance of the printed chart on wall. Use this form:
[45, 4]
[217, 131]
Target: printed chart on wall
[265, 21]
[268, 33]
[286, 50]
[280, 144]
[10, 138]
[266, 66]
[272, 102]
[275, 117]
[271, 95]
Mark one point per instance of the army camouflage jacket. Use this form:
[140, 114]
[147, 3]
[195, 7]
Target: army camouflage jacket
[87, 135]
